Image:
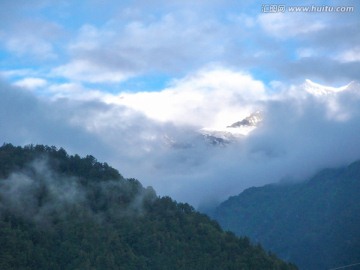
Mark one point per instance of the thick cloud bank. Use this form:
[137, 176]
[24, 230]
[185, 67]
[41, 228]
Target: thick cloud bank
[154, 136]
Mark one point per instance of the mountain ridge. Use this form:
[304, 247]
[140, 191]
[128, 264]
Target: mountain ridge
[60, 211]
[313, 223]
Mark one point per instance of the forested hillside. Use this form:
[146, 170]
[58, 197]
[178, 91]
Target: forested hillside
[59, 211]
[315, 223]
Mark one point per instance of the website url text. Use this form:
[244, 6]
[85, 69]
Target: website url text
[284, 8]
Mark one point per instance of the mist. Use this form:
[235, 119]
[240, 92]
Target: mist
[37, 192]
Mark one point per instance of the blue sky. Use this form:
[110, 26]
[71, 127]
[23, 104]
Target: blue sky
[142, 45]
[126, 80]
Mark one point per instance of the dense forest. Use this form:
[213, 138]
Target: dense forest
[61, 211]
[315, 223]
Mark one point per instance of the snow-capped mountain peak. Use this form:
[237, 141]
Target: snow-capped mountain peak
[236, 130]
[250, 121]
[321, 90]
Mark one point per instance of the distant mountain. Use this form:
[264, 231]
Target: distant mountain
[315, 223]
[59, 211]
[250, 121]
[321, 90]
[229, 134]
[216, 137]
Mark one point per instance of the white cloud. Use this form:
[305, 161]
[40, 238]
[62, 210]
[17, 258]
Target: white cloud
[285, 25]
[244, 20]
[350, 55]
[90, 37]
[88, 71]
[32, 37]
[306, 52]
[76, 91]
[300, 134]
[211, 97]
[17, 73]
[31, 83]
[127, 39]
[30, 45]
[118, 50]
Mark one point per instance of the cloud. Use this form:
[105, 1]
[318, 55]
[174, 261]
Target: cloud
[21, 46]
[116, 51]
[285, 25]
[152, 135]
[107, 42]
[213, 96]
[17, 73]
[306, 53]
[300, 135]
[31, 38]
[31, 83]
[26, 119]
[351, 55]
[87, 71]
[75, 91]
[308, 45]
[319, 68]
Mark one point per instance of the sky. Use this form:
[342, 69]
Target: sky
[132, 83]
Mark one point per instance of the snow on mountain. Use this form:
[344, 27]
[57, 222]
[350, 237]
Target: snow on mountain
[250, 121]
[353, 86]
[222, 136]
[218, 137]
[321, 90]
[225, 135]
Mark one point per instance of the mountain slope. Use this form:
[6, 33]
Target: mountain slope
[251, 121]
[65, 212]
[315, 224]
